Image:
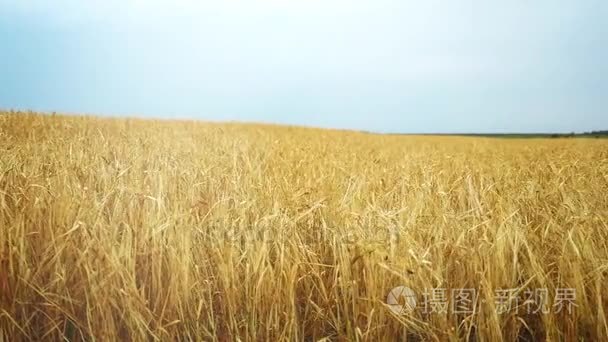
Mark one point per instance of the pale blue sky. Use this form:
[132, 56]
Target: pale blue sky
[379, 65]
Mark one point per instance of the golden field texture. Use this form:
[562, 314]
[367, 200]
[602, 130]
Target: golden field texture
[172, 230]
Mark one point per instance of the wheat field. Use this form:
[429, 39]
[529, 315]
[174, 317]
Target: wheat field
[131, 229]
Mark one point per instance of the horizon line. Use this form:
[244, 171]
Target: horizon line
[208, 120]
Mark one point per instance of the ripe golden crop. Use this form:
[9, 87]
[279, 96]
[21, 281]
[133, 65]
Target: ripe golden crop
[173, 230]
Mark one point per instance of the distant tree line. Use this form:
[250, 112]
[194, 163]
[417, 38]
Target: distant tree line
[605, 132]
[602, 133]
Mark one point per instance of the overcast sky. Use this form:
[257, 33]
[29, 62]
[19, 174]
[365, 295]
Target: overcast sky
[378, 65]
